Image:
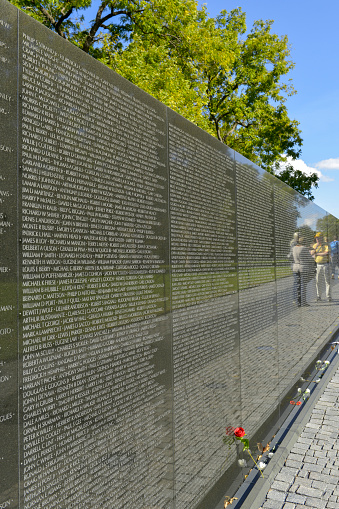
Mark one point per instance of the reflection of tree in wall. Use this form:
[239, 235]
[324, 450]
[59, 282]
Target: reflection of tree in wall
[332, 227]
[203, 218]
[289, 207]
[329, 225]
[297, 179]
[286, 214]
[307, 235]
[254, 200]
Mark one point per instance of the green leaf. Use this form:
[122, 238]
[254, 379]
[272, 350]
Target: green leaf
[246, 444]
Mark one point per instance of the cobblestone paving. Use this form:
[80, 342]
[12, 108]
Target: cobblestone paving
[310, 477]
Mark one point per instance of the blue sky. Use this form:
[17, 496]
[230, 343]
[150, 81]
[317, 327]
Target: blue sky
[311, 28]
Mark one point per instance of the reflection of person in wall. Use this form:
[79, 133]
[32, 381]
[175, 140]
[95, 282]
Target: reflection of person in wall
[292, 244]
[321, 254]
[303, 267]
[334, 256]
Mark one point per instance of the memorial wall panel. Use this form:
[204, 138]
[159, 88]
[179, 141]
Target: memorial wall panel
[257, 292]
[95, 332]
[147, 299]
[286, 214]
[312, 220]
[8, 260]
[300, 315]
[205, 306]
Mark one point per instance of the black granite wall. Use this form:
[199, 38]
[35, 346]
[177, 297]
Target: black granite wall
[146, 295]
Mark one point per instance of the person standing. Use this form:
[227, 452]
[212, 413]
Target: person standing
[293, 243]
[303, 266]
[334, 256]
[321, 255]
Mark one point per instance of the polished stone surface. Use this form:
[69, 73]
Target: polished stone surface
[146, 289]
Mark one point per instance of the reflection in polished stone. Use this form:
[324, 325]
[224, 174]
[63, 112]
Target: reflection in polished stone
[206, 393]
[147, 296]
[259, 355]
[95, 334]
[257, 295]
[106, 421]
[205, 309]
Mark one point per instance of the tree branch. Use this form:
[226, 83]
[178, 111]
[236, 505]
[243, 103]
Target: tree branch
[226, 135]
[100, 22]
[63, 18]
[249, 124]
[235, 125]
[213, 118]
[217, 128]
[56, 24]
[95, 27]
[50, 18]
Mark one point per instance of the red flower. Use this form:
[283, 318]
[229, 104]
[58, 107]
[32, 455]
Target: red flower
[292, 402]
[239, 432]
[298, 403]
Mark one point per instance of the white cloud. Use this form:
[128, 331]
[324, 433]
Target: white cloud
[329, 164]
[299, 164]
[310, 221]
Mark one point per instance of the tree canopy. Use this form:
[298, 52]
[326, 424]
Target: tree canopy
[329, 226]
[227, 80]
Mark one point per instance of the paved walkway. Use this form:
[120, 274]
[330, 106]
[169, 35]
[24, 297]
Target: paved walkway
[309, 477]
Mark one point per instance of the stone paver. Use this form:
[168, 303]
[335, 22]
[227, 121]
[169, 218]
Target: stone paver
[310, 477]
